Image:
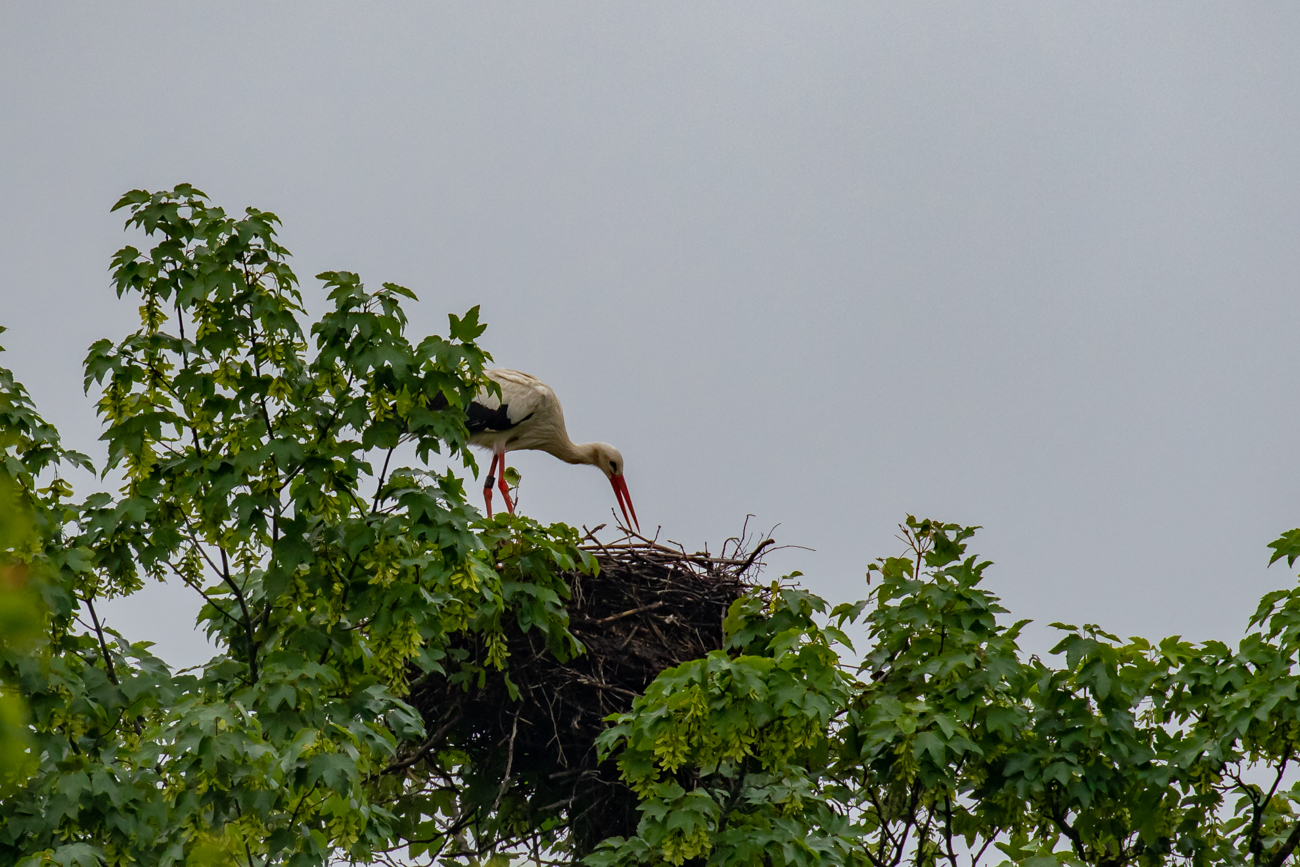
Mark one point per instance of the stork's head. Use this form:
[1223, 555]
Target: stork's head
[610, 462]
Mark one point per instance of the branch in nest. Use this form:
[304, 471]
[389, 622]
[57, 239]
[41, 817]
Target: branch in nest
[628, 613]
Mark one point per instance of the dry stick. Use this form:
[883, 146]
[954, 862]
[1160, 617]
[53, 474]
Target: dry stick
[591, 534]
[510, 760]
[593, 682]
[559, 775]
[654, 543]
[657, 632]
[630, 636]
[754, 556]
[566, 802]
[627, 613]
[647, 547]
[555, 728]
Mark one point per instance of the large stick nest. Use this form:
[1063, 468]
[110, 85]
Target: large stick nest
[650, 608]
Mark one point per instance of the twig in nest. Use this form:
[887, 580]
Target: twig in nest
[510, 760]
[591, 534]
[628, 613]
[754, 555]
[591, 681]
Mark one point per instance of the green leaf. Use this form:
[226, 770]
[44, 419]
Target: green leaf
[468, 328]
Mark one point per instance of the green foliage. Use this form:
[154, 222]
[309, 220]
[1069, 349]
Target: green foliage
[751, 722]
[258, 456]
[20, 621]
[949, 747]
[257, 464]
[28, 513]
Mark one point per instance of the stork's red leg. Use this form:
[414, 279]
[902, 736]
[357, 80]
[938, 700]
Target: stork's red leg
[487, 483]
[505, 487]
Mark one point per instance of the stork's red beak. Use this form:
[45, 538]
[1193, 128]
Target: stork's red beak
[624, 499]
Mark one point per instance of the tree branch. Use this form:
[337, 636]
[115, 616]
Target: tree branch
[379, 488]
[243, 607]
[103, 645]
[425, 748]
[1288, 846]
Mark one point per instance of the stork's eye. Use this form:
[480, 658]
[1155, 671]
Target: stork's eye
[613, 466]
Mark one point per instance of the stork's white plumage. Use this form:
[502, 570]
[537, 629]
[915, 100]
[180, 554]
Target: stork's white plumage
[528, 415]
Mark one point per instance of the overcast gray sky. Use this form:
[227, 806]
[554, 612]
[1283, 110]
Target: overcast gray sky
[1031, 266]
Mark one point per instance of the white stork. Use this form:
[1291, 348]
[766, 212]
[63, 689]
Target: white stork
[527, 415]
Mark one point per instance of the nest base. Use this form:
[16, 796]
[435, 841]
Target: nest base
[650, 608]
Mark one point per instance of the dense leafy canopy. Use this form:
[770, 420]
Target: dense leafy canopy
[946, 746]
[257, 468]
[256, 460]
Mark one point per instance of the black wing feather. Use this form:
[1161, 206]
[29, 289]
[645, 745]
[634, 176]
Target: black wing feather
[478, 418]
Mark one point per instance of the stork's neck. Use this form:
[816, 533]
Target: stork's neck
[575, 453]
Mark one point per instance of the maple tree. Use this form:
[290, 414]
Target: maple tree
[257, 461]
